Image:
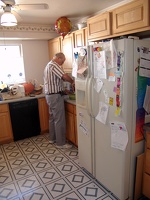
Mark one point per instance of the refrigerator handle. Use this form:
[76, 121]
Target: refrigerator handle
[89, 97]
[87, 94]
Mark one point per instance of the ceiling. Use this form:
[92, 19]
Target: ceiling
[74, 10]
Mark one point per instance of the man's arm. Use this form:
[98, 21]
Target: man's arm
[67, 78]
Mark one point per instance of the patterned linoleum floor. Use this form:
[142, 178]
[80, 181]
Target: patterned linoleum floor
[34, 169]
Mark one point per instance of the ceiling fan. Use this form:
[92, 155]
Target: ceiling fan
[10, 8]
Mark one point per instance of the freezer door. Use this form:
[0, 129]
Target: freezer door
[84, 127]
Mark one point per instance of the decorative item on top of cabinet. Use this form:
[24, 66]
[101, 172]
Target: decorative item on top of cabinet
[6, 134]
[43, 114]
[146, 174]
[67, 49]
[131, 16]
[99, 26]
[71, 129]
[80, 37]
[54, 46]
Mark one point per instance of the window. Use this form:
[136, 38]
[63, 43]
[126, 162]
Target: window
[11, 64]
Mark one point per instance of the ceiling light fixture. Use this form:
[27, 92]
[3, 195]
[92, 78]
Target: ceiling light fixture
[8, 19]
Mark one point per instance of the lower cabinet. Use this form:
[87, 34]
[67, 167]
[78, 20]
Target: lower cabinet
[43, 114]
[71, 123]
[6, 134]
[146, 173]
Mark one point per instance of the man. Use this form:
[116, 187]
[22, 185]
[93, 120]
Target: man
[53, 85]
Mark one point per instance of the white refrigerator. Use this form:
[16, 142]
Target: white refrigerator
[106, 98]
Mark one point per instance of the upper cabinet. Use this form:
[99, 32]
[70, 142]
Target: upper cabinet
[54, 46]
[99, 26]
[131, 16]
[80, 37]
[67, 49]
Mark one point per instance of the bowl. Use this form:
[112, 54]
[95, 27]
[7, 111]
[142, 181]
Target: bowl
[72, 96]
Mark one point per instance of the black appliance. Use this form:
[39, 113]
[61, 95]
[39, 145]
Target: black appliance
[25, 119]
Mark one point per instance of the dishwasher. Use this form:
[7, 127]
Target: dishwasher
[25, 119]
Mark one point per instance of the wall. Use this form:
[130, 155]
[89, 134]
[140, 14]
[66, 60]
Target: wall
[35, 59]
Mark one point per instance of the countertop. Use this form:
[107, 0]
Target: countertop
[66, 98]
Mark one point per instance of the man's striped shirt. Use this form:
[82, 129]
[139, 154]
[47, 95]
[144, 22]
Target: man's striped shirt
[53, 78]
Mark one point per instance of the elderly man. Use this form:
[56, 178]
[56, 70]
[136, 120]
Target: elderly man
[53, 85]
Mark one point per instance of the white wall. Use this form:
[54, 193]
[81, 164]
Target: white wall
[36, 57]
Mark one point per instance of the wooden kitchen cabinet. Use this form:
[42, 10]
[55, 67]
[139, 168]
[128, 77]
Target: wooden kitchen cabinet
[43, 115]
[131, 16]
[146, 174]
[71, 126]
[54, 46]
[6, 134]
[75, 125]
[67, 49]
[99, 26]
[80, 37]
[85, 36]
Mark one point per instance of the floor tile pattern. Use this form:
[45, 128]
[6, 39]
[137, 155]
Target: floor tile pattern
[34, 169]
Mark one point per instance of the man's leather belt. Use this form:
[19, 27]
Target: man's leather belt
[61, 93]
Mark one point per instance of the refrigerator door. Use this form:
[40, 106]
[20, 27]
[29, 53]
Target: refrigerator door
[85, 116]
[115, 168]
[113, 165]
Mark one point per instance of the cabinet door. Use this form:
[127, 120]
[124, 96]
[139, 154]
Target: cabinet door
[70, 135]
[75, 127]
[146, 184]
[99, 26]
[147, 161]
[67, 49]
[79, 38]
[43, 114]
[6, 134]
[85, 37]
[131, 16]
[54, 46]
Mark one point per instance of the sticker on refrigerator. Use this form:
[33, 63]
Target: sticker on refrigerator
[119, 74]
[83, 127]
[111, 77]
[111, 101]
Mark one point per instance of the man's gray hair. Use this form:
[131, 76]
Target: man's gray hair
[59, 55]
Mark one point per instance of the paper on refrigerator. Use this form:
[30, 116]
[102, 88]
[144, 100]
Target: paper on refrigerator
[119, 135]
[103, 112]
[144, 62]
[100, 65]
[147, 100]
[98, 85]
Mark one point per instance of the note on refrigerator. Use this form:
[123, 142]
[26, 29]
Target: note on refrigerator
[100, 67]
[119, 135]
[144, 62]
[147, 100]
[98, 85]
[103, 112]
